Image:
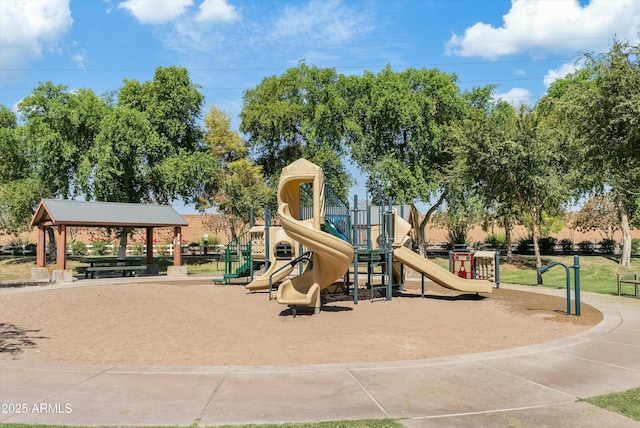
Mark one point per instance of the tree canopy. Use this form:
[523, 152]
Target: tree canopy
[142, 146]
[601, 106]
[298, 114]
[414, 134]
[242, 185]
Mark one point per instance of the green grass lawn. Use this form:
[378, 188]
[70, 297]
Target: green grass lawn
[626, 403]
[597, 273]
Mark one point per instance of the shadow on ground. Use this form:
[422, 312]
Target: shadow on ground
[14, 339]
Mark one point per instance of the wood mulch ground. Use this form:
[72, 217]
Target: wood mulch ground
[198, 323]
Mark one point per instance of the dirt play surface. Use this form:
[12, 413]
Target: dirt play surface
[198, 323]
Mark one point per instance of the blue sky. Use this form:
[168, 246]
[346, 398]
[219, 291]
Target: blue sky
[229, 46]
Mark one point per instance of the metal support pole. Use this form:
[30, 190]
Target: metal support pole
[267, 250]
[543, 269]
[497, 269]
[568, 274]
[369, 247]
[355, 249]
[389, 250]
[576, 282]
[250, 254]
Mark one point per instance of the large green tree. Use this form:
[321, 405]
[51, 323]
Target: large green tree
[298, 114]
[398, 128]
[172, 104]
[488, 124]
[242, 185]
[150, 148]
[527, 161]
[16, 182]
[60, 126]
[45, 152]
[598, 213]
[601, 104]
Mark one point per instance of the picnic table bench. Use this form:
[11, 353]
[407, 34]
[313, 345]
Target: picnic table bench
[631, 278]
[109, 264]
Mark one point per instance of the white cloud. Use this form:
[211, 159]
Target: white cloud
[155, 11]
[559, 73]
[79, 58]
[515, 96]
[326, 20]
[216, 11]
[28, 28]
[550, 26]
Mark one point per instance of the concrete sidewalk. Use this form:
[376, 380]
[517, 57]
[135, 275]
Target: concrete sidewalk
[529, 386]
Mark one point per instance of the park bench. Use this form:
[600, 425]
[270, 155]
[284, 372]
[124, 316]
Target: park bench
[132, 270]
[628, 279]
[103, 265]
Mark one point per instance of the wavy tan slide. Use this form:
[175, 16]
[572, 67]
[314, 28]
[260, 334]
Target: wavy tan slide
[331, 255]
[284, 268]
[439, 275]
[281, 265]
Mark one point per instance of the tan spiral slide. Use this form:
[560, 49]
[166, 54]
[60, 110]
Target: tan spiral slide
[331, 255]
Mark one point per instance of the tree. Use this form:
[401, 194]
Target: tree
[242, 184]
[603, 106]
[242, 189]
[171, 103]
[150, 148]
[298, 114]
[60, 127]
[528, 161]
[599, 213]
[460, 216]
[398, 131]
[45, 152]
[18, 188]
[488, 124]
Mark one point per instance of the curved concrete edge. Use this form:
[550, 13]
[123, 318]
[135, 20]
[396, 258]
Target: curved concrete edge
[531, 385]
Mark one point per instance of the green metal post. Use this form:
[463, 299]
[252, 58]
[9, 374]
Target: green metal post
[543, 269]
[356, 237]
[251, 221]
[568, 274]
[267, 250]
[227, 258]
[576, 282]
[369, 248]
[497, 269]
[389, 250]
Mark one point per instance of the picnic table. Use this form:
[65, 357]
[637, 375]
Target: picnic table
[98, 265]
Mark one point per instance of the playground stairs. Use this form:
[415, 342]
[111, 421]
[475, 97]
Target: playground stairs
[237, 259]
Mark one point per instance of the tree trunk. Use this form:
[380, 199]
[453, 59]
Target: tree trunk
[53, 249]
[507, 238]
[422, 244]
[536, 248]
[625, 257]
[232, 227]
[122, 246]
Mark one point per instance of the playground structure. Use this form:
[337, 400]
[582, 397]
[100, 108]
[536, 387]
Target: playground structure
[283, 251]
[345, 244]
[332, 255]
